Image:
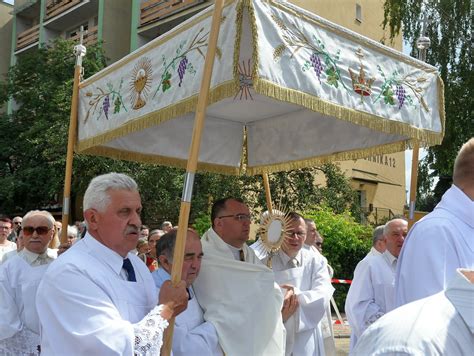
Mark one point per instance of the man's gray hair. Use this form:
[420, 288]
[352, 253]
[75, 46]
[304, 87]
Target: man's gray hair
[43, 213]
[387, 227]
[72, 231]
[96, 195]
[378, 234]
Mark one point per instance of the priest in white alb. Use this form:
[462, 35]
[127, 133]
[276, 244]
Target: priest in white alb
[307, 273]
[443, 240]
[20, 276]
[372, 292]
[236, 291]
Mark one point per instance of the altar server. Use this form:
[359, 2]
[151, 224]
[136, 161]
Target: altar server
[443, 240]
[236, 291]
[98, 298]
[20, 276]
[192, 334]
[307, 273]
[372, 292]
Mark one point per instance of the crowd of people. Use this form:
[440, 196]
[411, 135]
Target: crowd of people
[108, 291]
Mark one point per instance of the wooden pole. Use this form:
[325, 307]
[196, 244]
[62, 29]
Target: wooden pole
[268, 196]
[79, 51]
[185, 207]
[413, 184]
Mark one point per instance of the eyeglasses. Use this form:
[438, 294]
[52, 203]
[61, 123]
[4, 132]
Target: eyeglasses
[40, 230]
[297, 233]
[238, 217]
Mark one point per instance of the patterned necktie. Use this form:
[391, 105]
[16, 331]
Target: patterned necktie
[127, 266]
[293, 263]
[241, 255]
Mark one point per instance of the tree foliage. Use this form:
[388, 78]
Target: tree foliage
[33, 153]
[449, 27]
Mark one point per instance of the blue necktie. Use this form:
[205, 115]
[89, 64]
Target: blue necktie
[127, 266]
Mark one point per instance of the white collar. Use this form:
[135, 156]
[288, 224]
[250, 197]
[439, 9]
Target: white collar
[103, 253]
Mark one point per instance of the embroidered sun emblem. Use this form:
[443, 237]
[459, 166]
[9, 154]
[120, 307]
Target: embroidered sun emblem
[140, 83]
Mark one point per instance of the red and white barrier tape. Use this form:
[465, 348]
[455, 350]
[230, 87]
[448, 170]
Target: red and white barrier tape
[341, 281]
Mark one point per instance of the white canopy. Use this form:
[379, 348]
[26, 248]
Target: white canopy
[289, 90]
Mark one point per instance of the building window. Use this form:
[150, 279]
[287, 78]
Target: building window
[358, 13]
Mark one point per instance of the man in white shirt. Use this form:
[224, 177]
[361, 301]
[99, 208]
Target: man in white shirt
[372, 292]
[19, 279]
[442, 324]
[236, 291]
[98, 298]
[5, 230]
[192, 334]
[307, 273]
[443, 240]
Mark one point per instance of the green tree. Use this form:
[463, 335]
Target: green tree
[449, 27]
[346, 242]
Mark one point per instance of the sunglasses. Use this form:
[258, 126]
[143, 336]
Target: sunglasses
[40, 230]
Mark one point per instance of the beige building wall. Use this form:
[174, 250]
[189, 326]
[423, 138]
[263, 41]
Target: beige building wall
[6, 28]
[116, 28]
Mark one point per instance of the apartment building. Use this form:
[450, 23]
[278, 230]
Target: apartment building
[125, 25]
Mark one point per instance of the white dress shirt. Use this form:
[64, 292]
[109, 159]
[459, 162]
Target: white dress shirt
[371, 294]
[20, 276]
[435, 247]
[439, 325]
[86, 307]
[308, 273]
[192, 335]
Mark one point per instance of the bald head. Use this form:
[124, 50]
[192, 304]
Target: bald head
[463, 174]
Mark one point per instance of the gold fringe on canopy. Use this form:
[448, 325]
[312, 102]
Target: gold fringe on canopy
[161, 160]
[339, 156]
[269, 89]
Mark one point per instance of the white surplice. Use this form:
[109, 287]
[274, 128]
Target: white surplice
[86, 307]
[371, 294]
[312, 285]
[439, 325]
[20, 276]
[435, 247]
[192, 335]
[241, 299]
[327, 329]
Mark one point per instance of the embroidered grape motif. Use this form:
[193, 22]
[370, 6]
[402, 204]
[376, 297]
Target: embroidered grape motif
[106, 106]
[317, 65]
[182, 69]
[401, 94]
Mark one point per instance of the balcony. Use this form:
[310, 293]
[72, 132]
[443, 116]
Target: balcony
[89, 39]
[154, 10]
[56, 7]
[27, 37]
